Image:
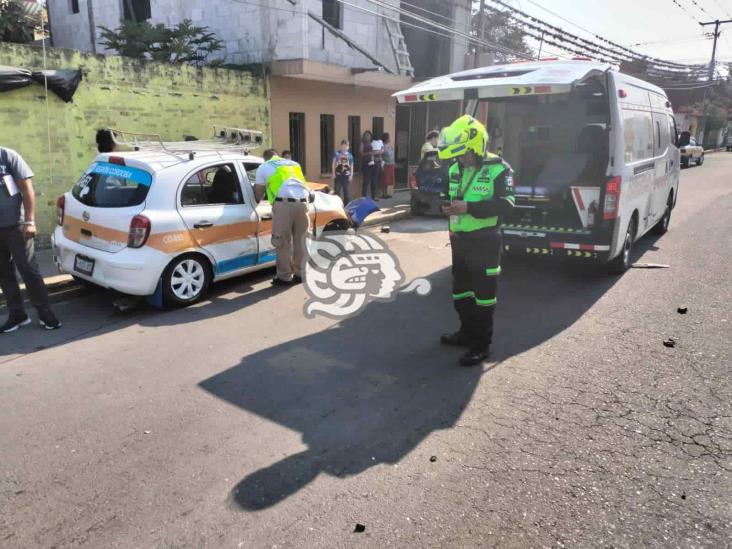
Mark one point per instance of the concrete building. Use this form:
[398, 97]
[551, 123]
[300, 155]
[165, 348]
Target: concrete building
[333, 66]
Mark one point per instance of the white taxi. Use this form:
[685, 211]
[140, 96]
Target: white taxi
[165, 225]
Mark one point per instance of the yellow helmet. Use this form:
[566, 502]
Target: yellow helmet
[463, 135]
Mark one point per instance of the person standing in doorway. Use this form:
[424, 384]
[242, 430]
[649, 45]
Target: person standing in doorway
[369, 166]
[283, 183]
[17, 244]
[343, 171]
[387, 176]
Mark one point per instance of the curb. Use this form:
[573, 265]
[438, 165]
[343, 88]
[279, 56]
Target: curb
[64, 284]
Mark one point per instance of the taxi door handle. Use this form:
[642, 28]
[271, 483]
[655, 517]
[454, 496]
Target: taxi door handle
[203, 224]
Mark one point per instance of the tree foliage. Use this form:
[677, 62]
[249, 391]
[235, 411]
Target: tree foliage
[501, 30]
[184, 43]
[17, 23]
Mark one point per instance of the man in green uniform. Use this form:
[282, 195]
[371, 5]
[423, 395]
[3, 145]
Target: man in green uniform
[480, 192]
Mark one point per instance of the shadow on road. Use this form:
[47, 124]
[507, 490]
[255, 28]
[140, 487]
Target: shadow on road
[373, 387]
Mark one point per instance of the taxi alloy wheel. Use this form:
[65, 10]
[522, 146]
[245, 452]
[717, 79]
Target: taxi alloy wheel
[186, 280]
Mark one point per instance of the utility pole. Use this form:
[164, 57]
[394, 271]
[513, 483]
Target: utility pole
[716, 24]
[541, 45]
[481, 15]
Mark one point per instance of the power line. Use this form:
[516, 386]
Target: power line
[724, 10]
[451, 30]
[686, 11]
[616, 50]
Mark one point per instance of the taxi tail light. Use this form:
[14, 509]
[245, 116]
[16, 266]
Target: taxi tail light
[117, 160]
[60, 210]
[612, 198]
[139, 231]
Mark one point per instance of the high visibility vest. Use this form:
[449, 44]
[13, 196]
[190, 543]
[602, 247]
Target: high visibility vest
[285, 170]
[474, 187]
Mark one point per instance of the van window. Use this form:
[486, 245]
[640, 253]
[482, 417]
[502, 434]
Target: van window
[673, 133]
[106, 185]
[638, 131]
[662, 134]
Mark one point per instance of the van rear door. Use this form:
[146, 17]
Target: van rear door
[104, 200]
[549, 120]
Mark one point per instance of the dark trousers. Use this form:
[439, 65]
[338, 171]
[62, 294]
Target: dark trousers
[16, 252]
[342, 188]
[370, 179]
[476, 264]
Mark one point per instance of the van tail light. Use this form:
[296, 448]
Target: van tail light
[612, 198]
[139, 231]
[60, 210]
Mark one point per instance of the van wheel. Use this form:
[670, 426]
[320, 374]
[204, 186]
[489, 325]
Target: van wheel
[662, 226]
[684, 162]
[186, 280]
[700, 161]
[622, 263]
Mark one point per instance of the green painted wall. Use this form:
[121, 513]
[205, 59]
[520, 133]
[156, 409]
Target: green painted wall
[121, 93]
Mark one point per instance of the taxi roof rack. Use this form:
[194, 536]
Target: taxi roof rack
[224, 139]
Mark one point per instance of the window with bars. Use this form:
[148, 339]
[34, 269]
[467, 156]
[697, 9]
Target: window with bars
[74, 6]
[327, 142]
[354, 137]
[136, 10]
[333, 13]
[297, 137]
[377, 127]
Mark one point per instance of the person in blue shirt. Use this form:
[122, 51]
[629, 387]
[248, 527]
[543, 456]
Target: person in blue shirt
[343, 171]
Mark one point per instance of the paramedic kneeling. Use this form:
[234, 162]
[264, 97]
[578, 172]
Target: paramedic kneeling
[480, 192]
[284, 184]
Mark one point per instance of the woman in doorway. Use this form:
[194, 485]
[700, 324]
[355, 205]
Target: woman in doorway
[387, 176]
[369, 166]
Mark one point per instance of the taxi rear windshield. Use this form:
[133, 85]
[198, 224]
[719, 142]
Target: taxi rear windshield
[106, 185]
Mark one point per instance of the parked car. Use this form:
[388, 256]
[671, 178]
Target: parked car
[162, 225]
[593, 150]
[690, 150]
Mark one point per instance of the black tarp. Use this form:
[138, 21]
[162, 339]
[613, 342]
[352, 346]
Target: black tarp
[12, 78]
[61, 82]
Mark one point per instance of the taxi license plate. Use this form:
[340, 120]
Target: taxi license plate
[84, 265]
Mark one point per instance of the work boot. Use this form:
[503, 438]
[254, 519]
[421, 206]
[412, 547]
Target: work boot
[474, 357]
[456, 339]
[296, 279]
[279, 282]
[48, 320]
[16, 319]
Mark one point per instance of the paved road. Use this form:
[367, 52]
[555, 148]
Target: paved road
[238, 423]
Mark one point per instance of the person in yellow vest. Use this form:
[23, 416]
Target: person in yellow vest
[480, 193]
[283, 183]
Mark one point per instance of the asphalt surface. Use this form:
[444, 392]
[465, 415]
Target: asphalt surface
[239, 423]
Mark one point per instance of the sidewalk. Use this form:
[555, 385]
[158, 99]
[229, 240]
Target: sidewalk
[396, 207]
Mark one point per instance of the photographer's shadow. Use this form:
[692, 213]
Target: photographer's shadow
[362, 393]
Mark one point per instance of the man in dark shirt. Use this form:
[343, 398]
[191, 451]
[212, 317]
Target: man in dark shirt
[17, 236]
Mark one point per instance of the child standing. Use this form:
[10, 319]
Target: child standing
[343, 171]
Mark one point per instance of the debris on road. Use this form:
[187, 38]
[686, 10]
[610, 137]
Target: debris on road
[682, 310]
[670, 342]
[433, 459]
[127, 303]
[385, 229]
[359, 528]
[147, 432]
[650, 266]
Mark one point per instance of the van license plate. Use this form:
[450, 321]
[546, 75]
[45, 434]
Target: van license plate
[83, 265]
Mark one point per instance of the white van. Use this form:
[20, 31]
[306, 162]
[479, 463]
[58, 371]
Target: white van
[593, 150]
